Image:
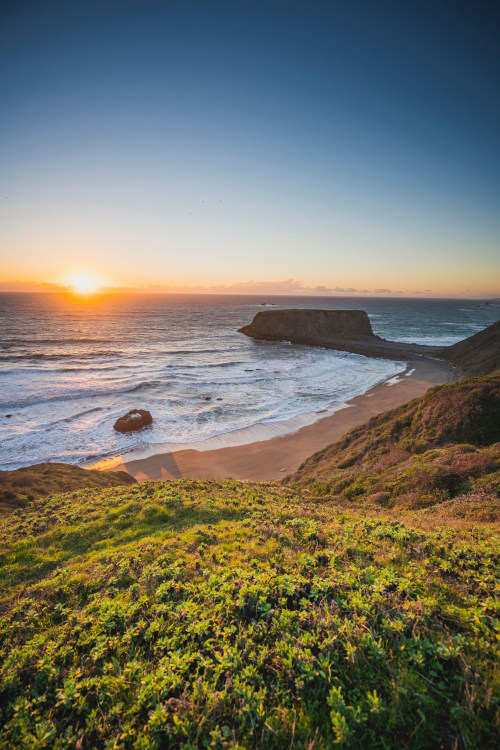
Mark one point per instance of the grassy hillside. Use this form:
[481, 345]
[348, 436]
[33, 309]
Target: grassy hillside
[230, 615]
[477, 355]
[442, 448]
[21, 486]
[234, 615]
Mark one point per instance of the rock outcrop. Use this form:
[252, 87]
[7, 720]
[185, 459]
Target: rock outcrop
[133, 420]
[351, 331]
[477, 355]
[343, 330]
[309, 325]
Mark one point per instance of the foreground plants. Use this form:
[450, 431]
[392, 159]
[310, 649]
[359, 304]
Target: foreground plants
[229, 615]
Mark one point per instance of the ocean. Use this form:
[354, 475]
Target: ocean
[70, 366]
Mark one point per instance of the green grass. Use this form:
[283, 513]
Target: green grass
[231, 615]
[439, 450]
[20, 487]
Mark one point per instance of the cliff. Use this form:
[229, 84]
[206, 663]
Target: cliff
[309, 325]
[351, 331]
[343, 330]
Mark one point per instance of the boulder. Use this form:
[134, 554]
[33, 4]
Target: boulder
[134, 420]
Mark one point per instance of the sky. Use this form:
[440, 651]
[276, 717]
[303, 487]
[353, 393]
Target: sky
[250, 146]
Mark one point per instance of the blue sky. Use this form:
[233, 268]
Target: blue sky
[206, 144]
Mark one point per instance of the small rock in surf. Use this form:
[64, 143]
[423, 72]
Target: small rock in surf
[134, 420]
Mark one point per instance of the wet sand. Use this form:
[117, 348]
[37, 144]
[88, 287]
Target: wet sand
[274, 458]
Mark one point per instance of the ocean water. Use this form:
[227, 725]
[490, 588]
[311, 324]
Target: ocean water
[69, 367]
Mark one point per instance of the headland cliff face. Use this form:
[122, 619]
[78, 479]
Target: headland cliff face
[343, 330]
[351, 331]
[306, 326]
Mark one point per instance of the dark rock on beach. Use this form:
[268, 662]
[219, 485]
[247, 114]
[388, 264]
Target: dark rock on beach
[134, 420]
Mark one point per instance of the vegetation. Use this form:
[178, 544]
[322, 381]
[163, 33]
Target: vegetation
[442, 449]
[194, 614]
[477, 355]
[206, 614]
[21, 486]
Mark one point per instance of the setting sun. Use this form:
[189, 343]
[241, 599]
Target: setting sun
[82, 283]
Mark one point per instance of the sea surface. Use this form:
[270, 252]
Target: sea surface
[70, 366]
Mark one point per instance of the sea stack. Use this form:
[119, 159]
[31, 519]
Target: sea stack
[309, 326]
[342, 330]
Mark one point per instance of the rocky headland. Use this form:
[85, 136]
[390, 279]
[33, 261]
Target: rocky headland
[351, 331]
[345, 330]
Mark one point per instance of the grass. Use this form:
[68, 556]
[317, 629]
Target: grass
[439, 450]
[355, 607]
[21, 486]
[232, 615]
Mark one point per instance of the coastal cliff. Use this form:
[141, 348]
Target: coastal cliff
[351, 331]
[343, 330]
[309, 325]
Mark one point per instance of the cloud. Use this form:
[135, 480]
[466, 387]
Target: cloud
[32, 286]
[287, 286]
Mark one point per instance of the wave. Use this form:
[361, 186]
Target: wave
[66, 420]
[37, 342]
[207, 366]
[78, 395]
[52, 357]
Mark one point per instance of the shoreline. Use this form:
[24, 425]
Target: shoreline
[275, 457]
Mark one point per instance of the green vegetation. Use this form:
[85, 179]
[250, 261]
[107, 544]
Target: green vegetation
[440, 451]
[223, 614]
[195, 614]
[21, 486]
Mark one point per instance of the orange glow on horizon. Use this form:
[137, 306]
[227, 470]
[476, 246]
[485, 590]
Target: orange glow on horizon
[83, 283]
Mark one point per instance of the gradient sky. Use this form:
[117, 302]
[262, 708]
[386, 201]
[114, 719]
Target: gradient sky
[348, 145]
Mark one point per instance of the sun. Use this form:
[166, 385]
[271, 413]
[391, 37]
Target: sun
[83, 283]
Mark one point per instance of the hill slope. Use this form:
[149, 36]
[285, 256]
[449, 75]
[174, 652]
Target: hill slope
[477, 355]
[225, 615]
[228, 615]
[21, 486]
[441, 446]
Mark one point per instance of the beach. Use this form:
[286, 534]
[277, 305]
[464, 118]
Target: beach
[274, 458]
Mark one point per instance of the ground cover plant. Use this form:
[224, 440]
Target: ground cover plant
[20, 486]
[231, 615]
[441, 449]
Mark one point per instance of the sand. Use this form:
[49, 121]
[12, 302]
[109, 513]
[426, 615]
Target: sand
[274, 458]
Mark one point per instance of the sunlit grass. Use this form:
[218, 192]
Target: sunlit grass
[225, 614]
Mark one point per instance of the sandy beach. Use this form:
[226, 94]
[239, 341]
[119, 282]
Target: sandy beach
[274, 458]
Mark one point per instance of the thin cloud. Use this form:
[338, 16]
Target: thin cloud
[284, 287]
[32, 286]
